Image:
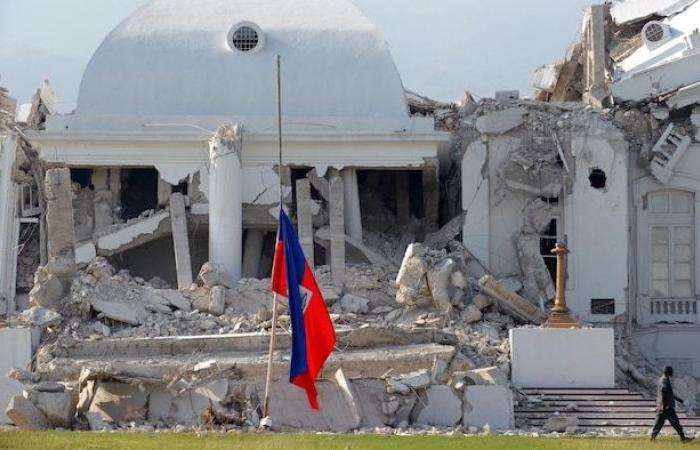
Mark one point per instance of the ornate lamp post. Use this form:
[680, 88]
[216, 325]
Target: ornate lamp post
[561, 314]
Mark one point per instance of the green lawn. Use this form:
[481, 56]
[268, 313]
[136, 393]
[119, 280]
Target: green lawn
[112, 441]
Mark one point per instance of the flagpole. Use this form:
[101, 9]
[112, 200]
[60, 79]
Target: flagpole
[267, 421]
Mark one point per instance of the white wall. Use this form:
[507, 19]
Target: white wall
[554, 358]
[492, 215]
[596, 224]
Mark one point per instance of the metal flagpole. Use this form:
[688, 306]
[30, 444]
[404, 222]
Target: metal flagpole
[267, 422]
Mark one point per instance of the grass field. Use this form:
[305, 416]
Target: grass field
[112, 441]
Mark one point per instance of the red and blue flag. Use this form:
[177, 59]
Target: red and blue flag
[313, 334]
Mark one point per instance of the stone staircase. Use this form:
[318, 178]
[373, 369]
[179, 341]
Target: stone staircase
[615, 409]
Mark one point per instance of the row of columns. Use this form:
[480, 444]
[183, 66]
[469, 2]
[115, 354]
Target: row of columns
[226, 212]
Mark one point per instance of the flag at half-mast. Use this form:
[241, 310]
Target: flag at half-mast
[313, 334]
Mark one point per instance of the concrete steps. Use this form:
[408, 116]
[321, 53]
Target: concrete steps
[615, 409]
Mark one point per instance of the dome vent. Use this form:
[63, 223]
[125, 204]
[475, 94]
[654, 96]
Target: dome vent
[245, 37]
[655, 34]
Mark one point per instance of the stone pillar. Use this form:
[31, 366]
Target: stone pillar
[431, 195]
[305, 219]
[181, 242]
[252, 253]
[59, 214]
[225, 204]
[353, 214]
[595, 57]
[337, 229]
[403, 198]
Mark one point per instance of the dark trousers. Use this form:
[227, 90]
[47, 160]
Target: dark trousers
[671, 416]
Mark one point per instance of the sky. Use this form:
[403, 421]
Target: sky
[442, 48]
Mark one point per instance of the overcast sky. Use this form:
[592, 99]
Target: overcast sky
[441, 47]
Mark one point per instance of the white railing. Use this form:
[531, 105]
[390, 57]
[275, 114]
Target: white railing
[672, 310]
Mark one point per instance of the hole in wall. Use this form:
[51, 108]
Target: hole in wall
[598, 179]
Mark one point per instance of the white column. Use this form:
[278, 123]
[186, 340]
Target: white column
[8, 226]
[337, 230]
[254, 240]
[225, 204]
[353, 216]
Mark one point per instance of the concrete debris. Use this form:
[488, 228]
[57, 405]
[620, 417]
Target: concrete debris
[354, 305]
[58, 407]
[561, 424]
[488, 405]
[518, 306]
[38, 316]
[501, 122]
[25, 415]
[441, 407]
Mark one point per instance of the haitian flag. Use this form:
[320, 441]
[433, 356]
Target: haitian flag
[313, 335]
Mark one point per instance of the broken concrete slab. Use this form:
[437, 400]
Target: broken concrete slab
[134, 234]
[181, 242]
[489, 376]
[439, 283]
[25, 415]
[118, 402]
[501, 122]
[488, 405]
[415, 381]
[512, 302]
[174, 298]
[441, 407]
[132, 314]
[362, 363]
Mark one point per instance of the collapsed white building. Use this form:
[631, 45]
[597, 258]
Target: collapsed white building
[169, 165]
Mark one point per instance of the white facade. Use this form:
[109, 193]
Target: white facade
[162, 83]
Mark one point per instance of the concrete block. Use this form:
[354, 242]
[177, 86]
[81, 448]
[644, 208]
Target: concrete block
[553, 358]
[25, 415]
[217, 300]
[15, 351]
[370, 394]
[58, 407]
[118, 402]
[492, 405]
[442, 408]
[290, 409]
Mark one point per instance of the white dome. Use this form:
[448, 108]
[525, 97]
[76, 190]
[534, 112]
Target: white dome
[173, 57]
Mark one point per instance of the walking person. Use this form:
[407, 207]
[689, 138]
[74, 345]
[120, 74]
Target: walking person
[666, 406]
